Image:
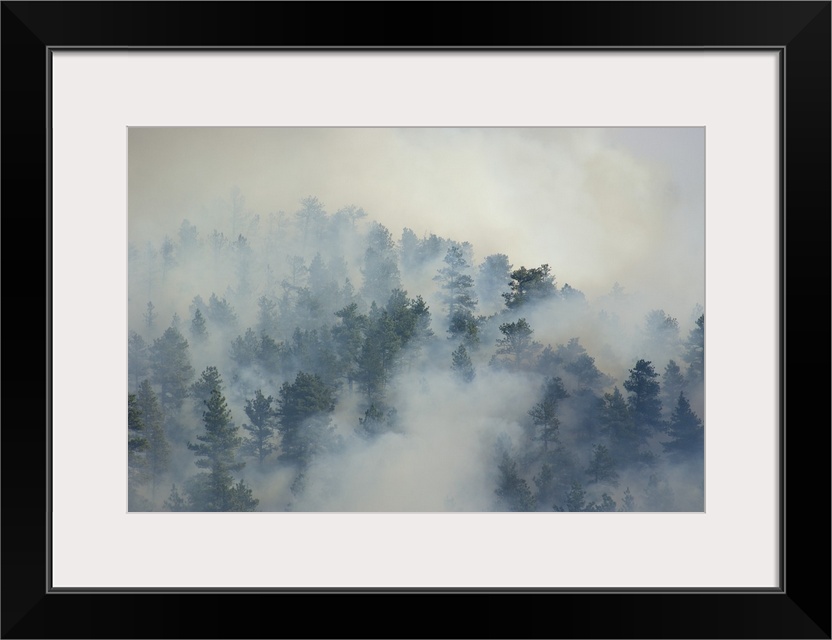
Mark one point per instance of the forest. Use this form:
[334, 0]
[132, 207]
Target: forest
[316, 360]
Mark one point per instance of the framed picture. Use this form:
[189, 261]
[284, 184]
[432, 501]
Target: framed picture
[103, 91]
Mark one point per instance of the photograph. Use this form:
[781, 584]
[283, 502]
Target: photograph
[416, 319]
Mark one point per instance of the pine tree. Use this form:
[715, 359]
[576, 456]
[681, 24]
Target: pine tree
[625, 436]
[216, 451]
[673, 383]
[602, 466]
[516, 345]
[575, 498]
[136, 449]
[461, 364]
[157, 454]
[695, 352]
[544, 413]
[209, 380]
[457, 287]
[304, 409]
[643, 402]
[686, 432]
[530, 285]
[512, 489]
[199, 333]
[262, 417]
[172, 369]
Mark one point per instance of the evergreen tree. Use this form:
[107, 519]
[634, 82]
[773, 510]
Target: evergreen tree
[199, 332]
[512, 490]
[201, 389]
[461, 364]
[376, 421]
[172, 369]
[661, 333]
[138, 359]
[516, 345]
[602, 466]
[150, 316]
[216, 451]
[381, 271]
[695, 352]
[673, 383]
[157, 454]
[575, 498]
[304, 409]
[262, 417]
[492, 280]
[544, 413]
[643, 402]
[686, 432]
[348, 338]
[379, 354]
[136, 449]
[626, 437]
[457, 287]
[221, 313]
[530, 285]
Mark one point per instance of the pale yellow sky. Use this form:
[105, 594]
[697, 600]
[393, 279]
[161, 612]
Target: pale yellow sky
[597, 205]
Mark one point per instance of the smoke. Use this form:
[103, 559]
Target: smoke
[220, 221]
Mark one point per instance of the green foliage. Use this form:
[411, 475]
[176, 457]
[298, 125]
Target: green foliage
[203, 387]
[602, 466]
[138, 359]
[626, 437]
[461, 364]
[217, 452]
[348, 339]
[643, 402]
[262, 417]
[157, 453]
[199, 332]
[575, 498]
[516, 345]
[136, 443]
[512, 490]
[673, 383]
[172, 369]
[530, 285]
[304, 409]
[377, 420]
[221, 313]
[457, 294]
[544, 413]
[661, 332]
[695, 352]
[607, 504]
[381, 272]
[686, 432]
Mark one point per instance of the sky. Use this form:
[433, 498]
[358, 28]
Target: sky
[598, 205]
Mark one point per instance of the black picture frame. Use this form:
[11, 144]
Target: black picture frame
[799, 31]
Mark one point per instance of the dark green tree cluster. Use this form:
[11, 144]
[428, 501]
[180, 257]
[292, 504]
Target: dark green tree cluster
[293, 338]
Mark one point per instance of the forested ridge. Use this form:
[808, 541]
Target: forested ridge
[315, 361]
